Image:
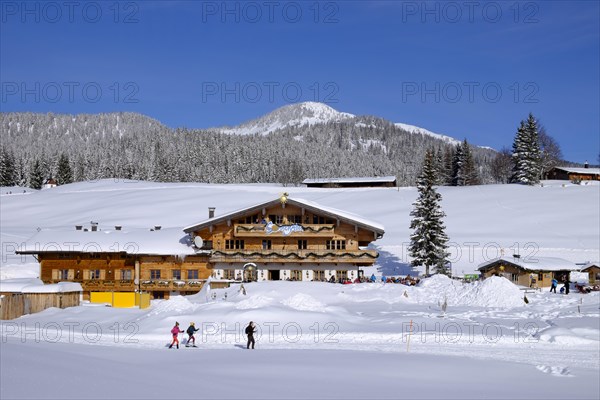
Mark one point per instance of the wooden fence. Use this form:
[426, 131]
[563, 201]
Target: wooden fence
[14, 305]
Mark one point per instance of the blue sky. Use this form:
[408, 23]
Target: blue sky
[466, 69]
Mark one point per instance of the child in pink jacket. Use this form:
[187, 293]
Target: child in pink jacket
[175, 332]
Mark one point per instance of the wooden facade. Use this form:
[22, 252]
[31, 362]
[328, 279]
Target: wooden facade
[282, 239]
[120, 272]
[287, 239]
[14, 305]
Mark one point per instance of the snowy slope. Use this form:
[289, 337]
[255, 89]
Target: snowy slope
[482, 221]
[317, 340]
[422, 131]
[307, 113]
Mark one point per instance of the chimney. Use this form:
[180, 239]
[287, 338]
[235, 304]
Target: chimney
[586, 165]
[78, 227]
[94, 226]
[157, 227]
[118, 227]
[211, 212]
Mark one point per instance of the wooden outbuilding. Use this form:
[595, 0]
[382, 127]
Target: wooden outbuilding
[574, 174]
[27, 296]
[533, 271]
[381, 181]
[593, 270]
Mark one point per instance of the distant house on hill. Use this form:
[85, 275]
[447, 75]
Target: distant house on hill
[575, 174]
[381, 181]
[521, 270]
[50, 183]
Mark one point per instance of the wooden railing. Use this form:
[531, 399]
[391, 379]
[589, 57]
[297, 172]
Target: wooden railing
[171, 284]
[294, 255]
[292, 230]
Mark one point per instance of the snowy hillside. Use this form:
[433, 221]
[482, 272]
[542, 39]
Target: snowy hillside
[307, 113]
[422, 131]
[473, 337]
[483, 222]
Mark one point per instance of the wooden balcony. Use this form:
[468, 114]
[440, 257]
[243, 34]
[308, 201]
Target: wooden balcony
[172, 284]
[300, 256]
[297, 230]
[98, 285]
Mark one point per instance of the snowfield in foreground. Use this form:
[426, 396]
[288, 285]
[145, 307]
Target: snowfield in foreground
[316, 340]
[440, 339]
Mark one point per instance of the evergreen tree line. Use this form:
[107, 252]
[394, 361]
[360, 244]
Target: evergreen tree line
[83, 147]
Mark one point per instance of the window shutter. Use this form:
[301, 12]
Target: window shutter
[71, 274]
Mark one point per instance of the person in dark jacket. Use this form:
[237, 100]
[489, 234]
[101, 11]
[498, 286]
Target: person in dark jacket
[250, 329]
[190, 331]
[567, 284]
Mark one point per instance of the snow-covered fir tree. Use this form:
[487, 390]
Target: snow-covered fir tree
[464, 172]
[7, 168]
[526, 153]
[36, 175]
[428, 243]
[64, 174]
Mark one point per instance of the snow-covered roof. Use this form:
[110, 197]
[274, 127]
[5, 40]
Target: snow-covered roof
[361, 179]
[169, 241]
[37, 286]
[534, 263]
[309, 205]
[574, 170]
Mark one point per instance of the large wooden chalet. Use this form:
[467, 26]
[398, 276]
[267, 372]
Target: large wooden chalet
[281, 239]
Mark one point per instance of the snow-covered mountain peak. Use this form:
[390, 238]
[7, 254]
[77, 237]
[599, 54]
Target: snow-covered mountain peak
[299, 114]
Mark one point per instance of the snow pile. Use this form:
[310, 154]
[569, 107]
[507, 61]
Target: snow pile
[304, 302]
[256, 301]
[175, 305]
[494, 291]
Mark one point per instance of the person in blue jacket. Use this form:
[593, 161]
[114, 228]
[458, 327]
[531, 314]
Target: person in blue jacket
[373, 278]
[554, 285]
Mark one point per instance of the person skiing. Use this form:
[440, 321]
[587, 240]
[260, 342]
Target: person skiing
[554, 285]
[250, 332]
[190, 331]
[175, 332]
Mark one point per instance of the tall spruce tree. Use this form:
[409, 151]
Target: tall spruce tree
[64, 174]
[36, 175]
[7, 168]
[428, 243]
[526, 153]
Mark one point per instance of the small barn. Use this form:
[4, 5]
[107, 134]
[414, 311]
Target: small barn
[27, 296]
[593, 270]
[381, 181]
[574, 174]
[522, 271]
[50, 183]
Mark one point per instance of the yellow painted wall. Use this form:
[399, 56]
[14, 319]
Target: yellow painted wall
[142, 300]
[101, 297]
[124, 299]
[121, 299]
